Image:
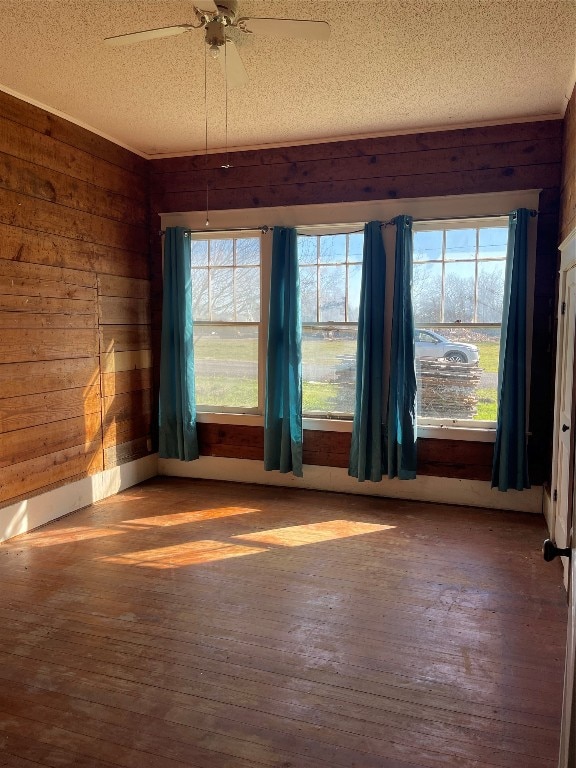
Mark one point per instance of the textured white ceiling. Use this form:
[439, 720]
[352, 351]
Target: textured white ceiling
[389, 66]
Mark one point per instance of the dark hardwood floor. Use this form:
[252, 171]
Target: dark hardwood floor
[214, 625]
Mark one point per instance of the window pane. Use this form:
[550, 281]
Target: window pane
[199, 253]
[457, 372]
[221, 294]
[459, 292]
[248, 250]
[490, 291]
[355, 247]
[221, 253]
[308, 294]
[247, 294]
[332, 249]
[427, 293]
[492, 243]
[427, 246]
[200, 310]
[354, 279]
[329, 369]
[307, 249]
[226, 366]
[332, 294]
[460, 243]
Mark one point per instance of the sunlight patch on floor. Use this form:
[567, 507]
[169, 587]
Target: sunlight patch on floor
[207, 551]
[313, 533]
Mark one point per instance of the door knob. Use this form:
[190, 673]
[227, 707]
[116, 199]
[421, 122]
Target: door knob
[550, 551]
[565, 427]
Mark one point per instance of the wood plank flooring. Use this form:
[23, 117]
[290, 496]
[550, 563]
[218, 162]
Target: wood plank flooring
[217, 625]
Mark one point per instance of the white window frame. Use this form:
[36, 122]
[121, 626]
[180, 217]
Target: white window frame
[477, 223]
[262, 328]
[331, 215]
[323, 230]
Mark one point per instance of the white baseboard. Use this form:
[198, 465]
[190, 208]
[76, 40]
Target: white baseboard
[24, 516]
[472, 493]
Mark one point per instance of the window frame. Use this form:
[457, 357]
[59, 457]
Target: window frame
[199, 236]
[332, 215]
[472, 222]
[327, 230]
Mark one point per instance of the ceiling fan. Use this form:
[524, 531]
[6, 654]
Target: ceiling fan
[217, 18]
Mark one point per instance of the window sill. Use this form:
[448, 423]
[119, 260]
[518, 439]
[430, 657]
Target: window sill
[467, 434]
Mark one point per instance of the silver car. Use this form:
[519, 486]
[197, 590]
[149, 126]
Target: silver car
[429, 344]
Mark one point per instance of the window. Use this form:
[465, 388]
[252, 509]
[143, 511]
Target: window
[330, 274]
[226, 311]
[457, 293]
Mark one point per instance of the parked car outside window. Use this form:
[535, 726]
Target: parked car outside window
[431, 345]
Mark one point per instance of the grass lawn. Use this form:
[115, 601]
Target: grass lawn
[489, 354]
[487, 405]
[226, 392]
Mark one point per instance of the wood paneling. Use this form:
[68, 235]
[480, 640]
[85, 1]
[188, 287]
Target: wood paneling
[234, 626]
[568, 206]
[73, 234]
[49, 376]
[475, 160]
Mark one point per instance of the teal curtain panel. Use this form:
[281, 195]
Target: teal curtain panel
[400, 430]
[366, 451]
[283, 395]
[178, 438]
[510, 465]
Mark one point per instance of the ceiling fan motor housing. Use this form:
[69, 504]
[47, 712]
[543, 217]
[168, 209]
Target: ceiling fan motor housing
[228, 9]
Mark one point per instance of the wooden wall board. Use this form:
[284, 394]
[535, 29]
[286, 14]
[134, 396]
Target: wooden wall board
[20, 379]
[117, 432]
[22, 211]
[45, 408]
[62, 130]
[131, 288]
[35, 474]
[41, 304]
[129, 451]
[121, 382]
[19, 345]
[20, 269]
[125, 338]
[457, 139]
[47, 184]
[358, 189]
[26, 144]
[22, 244]
[21, 286]
[24, 444]
[124, 361]
[407, 163]
[30, 320]
[120, 310]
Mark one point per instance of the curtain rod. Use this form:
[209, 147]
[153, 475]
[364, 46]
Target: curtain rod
[532, 212]
[263, 229]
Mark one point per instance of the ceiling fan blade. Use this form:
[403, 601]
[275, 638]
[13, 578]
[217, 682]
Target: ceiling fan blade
[147, 34]
[209, 6]
[309, 30]
[232, 66]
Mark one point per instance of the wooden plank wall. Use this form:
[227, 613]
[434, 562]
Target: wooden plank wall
[75, 359]
[568, 197]
[493, 159]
